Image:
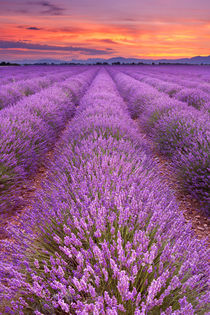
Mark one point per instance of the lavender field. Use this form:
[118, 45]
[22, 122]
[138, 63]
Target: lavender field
[88, 223]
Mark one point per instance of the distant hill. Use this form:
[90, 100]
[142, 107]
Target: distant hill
[121, 60]
[193, 60]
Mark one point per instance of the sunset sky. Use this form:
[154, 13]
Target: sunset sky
[81, 29]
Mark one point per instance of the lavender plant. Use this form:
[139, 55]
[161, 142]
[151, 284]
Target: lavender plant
[184, 135]
[138, 94]
[193, 97]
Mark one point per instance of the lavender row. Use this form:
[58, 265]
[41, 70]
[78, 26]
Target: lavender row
[186, 82]
[189, 74]
[28, 130]
[15, 74]
[194, 95]
[13, 92]
[105, 235]
[140, 94]
[180, 132]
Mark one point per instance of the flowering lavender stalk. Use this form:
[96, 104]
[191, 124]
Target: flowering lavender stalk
[105, 235]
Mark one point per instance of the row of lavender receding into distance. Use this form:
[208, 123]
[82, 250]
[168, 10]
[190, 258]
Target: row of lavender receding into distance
[194, 93]
[15, 74]
[181, 132]
[30, 128]
[105, 235]
[189, 74]
[13, 92]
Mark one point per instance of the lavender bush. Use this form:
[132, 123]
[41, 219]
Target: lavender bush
[184, 135]
[138, 94]
[105, 235]
[193, 97]
[155, 111]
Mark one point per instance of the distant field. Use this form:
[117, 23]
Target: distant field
[92, 163]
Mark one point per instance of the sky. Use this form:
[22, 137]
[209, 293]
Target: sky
[82, 29]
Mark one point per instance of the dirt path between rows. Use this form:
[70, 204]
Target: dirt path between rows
[188, 206]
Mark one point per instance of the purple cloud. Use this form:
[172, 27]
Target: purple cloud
[32, 7]
[29, 46]
[33, 28]
[49, 8]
